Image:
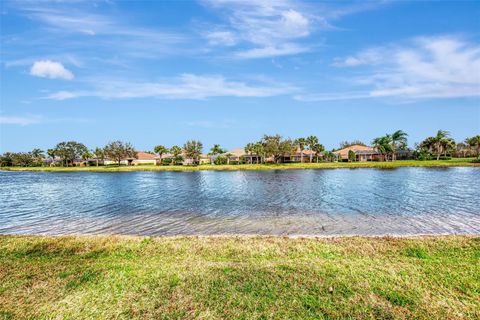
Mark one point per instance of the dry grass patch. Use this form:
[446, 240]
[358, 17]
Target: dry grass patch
[239, 277]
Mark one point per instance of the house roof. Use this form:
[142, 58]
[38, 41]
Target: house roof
[145, 156]
[237, 152]
[357, 149]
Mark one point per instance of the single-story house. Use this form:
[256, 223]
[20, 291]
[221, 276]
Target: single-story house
[142, 158]
[362, 153]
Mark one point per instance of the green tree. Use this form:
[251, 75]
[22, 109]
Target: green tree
[351, 156]
[69, 151]
[99, 154]
[259, 151]
[215, 151]
[318, 148]
[474, 142]
[249, 149]
[51, 155]
[176, 151]
[287, 147]
[312, 141]
[383, 145]
[440, 142]
[193, 150]
[87, 155]
[160, 150]
[118, 151]
[399, 142]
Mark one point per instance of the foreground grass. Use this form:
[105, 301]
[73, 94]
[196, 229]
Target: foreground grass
[239, 278]
[457, 162]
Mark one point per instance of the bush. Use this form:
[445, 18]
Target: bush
[166, 161]
[220, 160]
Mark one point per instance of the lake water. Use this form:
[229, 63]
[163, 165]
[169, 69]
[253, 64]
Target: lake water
[294, 202]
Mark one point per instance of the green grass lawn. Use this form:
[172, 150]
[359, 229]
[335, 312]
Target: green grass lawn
[457, 162]
[105, 277]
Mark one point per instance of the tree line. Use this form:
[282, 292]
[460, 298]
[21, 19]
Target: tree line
[268, 147]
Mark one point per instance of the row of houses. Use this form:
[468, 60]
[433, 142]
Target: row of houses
[238, 155]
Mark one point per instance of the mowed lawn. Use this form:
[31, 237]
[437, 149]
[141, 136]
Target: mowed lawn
[106, 277]
[456, 162]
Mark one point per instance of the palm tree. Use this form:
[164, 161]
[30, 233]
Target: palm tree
[259, 150]
[193, 150]
[300, 143]
[51, 154]
[383, 145]
[86, 156]
[228, 155]
[175, 151]
[312, 141]
[317, 148]
[439, 142]
[160, 150]
[249, 149]
[214, 151]
[399, 141]
[474, 142]
[99, 154]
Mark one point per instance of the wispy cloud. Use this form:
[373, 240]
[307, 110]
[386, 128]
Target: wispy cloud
[270, 28]
[424, 67]
[20, 120]
[262, 29]
[186, 86]
[29, 119]
[79, 28]
[50, 69]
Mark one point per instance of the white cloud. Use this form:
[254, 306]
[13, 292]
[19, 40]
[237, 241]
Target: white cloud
[186, 86]
[221, 38]
[50, 69]
[424, 67]
[20, 120]
[269, 28]
[272, 51]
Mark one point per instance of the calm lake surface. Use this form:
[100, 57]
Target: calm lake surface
[295, 202]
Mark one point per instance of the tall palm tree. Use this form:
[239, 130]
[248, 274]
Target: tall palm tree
[249, 150]
[99, 154]
[383, 145]
[86, 156]
[214, 151]
[175, 151]
[317, 148]
[301, 143]
[259, 151]
[312, 141]
[193, 150]
[51, 154]
[399, 141]
[439, 142]
[160, 150]
[474, 142]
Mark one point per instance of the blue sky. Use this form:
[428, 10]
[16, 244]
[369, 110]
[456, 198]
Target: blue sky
[227, 72]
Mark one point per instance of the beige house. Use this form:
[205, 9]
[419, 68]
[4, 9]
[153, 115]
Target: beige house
[362, 153]
[142, 158]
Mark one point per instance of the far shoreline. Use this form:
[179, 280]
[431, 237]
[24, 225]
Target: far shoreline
[464, 162]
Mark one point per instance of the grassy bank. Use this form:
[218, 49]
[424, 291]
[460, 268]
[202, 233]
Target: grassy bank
[283, 166]
[239, 278]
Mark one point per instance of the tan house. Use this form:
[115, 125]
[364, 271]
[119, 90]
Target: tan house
[362, 153]
[142, 158]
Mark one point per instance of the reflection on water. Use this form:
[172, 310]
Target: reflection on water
[317, 202]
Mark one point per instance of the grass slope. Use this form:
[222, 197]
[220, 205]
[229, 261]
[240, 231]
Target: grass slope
[239, 278]
[283, 166]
